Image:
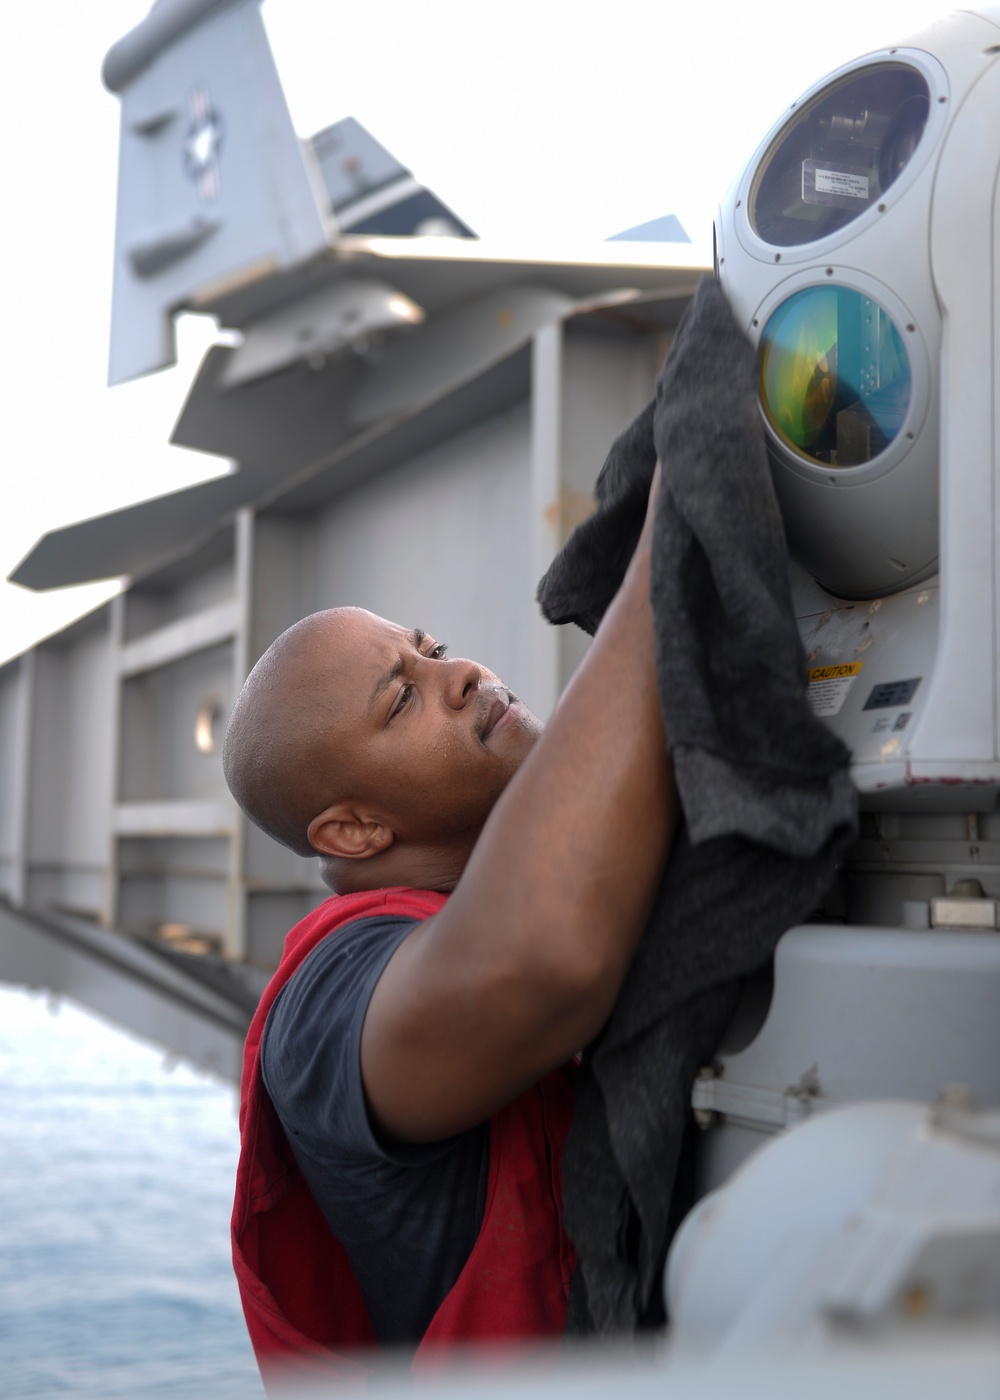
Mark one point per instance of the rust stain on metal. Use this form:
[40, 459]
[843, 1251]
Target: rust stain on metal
[916, 1300]
[571, 509]
[912, 780]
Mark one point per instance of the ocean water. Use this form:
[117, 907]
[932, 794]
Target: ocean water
[116, 1179]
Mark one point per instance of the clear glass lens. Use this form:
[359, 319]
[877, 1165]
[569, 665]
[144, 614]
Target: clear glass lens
[839, 155]
[835, 379]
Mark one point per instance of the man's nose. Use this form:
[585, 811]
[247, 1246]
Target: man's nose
[462, 680]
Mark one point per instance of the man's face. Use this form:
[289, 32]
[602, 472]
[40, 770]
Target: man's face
[427, 741]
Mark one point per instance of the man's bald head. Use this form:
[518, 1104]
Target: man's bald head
[276, 756]
[356, 738]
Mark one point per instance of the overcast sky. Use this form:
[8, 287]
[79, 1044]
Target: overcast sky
[546, 123]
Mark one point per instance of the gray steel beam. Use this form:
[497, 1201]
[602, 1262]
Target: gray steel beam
[19, 759]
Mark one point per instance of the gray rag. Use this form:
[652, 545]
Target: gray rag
[767, 801]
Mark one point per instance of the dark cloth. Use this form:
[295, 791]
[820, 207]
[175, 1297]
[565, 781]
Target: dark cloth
[407, 1215]
[768, 805]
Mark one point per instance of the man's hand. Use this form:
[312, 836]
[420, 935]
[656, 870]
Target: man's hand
[523, 965]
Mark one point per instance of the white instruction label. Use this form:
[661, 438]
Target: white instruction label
[829, 685]
[841, 182]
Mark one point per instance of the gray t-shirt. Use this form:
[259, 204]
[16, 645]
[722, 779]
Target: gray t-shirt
[407, 1215]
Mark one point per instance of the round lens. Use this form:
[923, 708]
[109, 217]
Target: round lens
[835, 379]
[838, 156]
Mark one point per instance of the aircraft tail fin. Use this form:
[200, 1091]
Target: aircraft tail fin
[214, 186]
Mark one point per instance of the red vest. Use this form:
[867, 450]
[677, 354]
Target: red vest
[301, 1300]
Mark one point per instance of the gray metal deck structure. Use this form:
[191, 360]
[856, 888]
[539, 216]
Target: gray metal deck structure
[427, 472]
[417, 423]
[432, 484]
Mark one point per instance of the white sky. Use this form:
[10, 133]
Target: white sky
[541, 122]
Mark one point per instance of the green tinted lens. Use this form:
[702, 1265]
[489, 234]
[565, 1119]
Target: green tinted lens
[835, 378]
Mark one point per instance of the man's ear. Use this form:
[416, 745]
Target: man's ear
[343, 832]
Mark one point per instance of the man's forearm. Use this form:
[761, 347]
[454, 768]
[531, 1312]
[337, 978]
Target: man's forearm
[523, 964]
[569, 863]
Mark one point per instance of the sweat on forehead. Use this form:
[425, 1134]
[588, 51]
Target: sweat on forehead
[288, 700]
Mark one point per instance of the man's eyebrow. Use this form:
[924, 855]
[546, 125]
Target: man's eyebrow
[417, 637]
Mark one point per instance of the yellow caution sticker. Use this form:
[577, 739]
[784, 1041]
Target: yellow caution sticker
[835, 673]
[828, 685]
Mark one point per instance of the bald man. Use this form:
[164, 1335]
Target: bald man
[406, 1088]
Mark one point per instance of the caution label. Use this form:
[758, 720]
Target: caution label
[829, 685]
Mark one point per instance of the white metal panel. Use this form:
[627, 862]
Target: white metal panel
[203, 817]
[606, 380]
[857, 1013]
[159, 759]
[87, 778]
[270, 914]
[269, 866]
[282, 581]
[458, 347]
[46, 819]
[15, 681]
[199, 581]
[66, 792]
[442, 543]
[546, 477]
[188, 634]
[959, 720]
[148, 902]
[277, 593]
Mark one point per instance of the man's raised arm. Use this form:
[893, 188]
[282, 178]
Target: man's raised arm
[522, 966]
